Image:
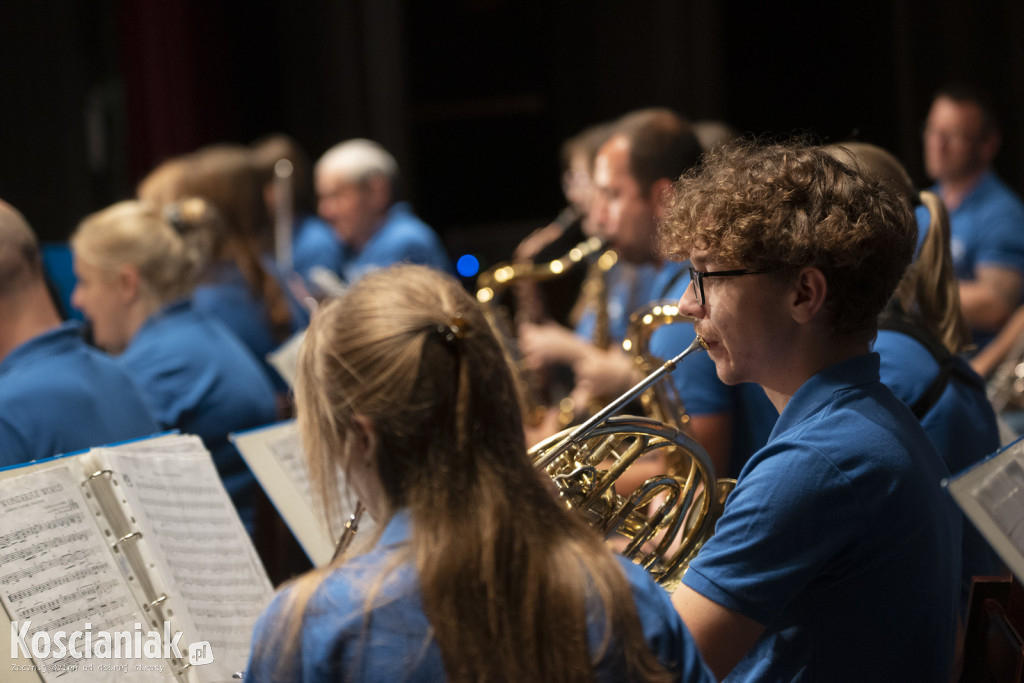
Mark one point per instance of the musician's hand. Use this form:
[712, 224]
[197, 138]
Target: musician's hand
[604, 373]
[549, 343]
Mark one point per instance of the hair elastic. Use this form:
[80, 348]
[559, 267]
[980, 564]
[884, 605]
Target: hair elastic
[454, 330]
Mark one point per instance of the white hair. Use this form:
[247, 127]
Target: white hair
[358, 159]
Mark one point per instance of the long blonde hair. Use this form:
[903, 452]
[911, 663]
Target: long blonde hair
[502, 567]
[170, 257]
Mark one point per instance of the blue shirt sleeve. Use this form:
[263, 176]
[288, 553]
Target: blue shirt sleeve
[789, 516]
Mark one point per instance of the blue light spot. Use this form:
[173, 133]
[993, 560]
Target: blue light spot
[468, 265]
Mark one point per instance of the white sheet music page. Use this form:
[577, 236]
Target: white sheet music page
[991, 494]
[61, 586]
[275, 456]
[199, 541]
[288, 451]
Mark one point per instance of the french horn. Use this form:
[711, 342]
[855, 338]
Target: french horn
[668, 518]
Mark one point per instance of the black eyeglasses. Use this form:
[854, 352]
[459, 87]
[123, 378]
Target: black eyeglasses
[697, 279]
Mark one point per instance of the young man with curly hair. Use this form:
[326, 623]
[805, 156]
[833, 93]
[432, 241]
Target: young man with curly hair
[837, 557]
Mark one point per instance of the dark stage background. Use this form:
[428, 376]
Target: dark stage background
[472, 96]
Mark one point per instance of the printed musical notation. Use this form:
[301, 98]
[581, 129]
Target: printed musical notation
[288, 451]
[33, 550]
[194, 534]
[275, 456]
[47, 587]
[57, 571]
[19, 535]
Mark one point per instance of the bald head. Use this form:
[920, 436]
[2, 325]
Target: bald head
[20, 265]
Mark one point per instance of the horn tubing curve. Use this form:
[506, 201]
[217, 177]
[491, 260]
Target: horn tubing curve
[615, 406]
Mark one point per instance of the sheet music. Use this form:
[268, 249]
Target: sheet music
[276, 458]
[285, 358]
[286, 448]
[57, 573]
[1002, 494]
[198, 540]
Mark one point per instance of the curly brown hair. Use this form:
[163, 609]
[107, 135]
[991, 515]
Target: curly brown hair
[782, 207]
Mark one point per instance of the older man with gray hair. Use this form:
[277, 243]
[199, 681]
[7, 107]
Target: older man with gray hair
[357, 191]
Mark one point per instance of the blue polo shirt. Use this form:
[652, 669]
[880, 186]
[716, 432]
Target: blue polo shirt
[338, 644]
[961, 425]
[225, 295]
[696, 379]
[314, 243]
[986, 229]
[196, 376]
[403, 238]
[839, 539]
[629, 287]
[58, 395]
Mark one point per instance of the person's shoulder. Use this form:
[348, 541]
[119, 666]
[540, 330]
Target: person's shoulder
[652, 601]
[403, 223]
[663, 627]
[58, 357]
[994, 195]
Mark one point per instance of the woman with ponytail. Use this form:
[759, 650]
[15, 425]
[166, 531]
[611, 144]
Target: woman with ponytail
[136, 270]
[240, 287]
[920, 335]
[476, 572]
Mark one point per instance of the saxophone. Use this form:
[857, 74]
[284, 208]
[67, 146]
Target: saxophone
[492, 284]
[661, 401]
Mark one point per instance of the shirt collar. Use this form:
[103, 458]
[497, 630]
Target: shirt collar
[397, 530]
[817, 391]
[48, 343]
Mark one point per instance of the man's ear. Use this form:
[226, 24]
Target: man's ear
[809, 291]
[128, 282]
[661, 191]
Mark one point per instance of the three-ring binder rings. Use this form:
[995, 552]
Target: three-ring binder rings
[128, 559]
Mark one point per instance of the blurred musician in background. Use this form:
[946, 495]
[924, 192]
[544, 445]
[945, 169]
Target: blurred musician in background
[961, 140]
[57, 394]
[838, 553]
[241, 285]
[313, 242]
[477, 572]
[136, 272]
[358, 194]
[633, 173]
[563, 300]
